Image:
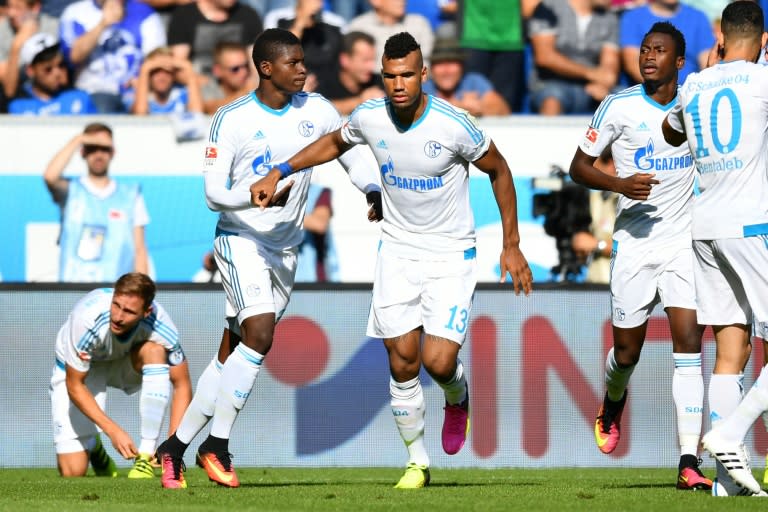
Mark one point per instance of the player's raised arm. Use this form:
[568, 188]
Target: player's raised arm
[324, 149]
[512, 259]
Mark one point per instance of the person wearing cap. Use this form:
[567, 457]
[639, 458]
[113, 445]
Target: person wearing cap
[102, 220]
[47, 92]
[24, 19]
[470, 91]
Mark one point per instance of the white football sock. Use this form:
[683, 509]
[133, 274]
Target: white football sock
[203, 403]
[455, 389]
[237, 378]
[688, 395]
[724, 395]
[155, 394]
[754, 403]
[407, 402]
[616, 377]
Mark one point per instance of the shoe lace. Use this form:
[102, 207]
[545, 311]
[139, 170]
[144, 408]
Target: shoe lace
[177, 463]
[606, 420]
[225, 459]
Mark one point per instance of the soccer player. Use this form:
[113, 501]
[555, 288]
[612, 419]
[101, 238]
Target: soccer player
[123, 339]
[255, 249]
[652, 259]
[722, 112]
[425, 272]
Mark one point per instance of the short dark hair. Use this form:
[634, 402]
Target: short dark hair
[97, 128]
[665, 27]
[351, 39]
[400, 45]
[136, 283]
[270, 44]
[742, 19]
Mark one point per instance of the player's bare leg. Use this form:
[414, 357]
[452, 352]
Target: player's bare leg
[440, 359]
[407, 403]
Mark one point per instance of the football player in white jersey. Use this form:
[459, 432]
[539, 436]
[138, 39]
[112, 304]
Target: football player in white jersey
[123, 339]
[255, 249]
[722, 112]
[425, 272]
[652, 259]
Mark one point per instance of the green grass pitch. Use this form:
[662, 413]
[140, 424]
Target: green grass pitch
[370, 489]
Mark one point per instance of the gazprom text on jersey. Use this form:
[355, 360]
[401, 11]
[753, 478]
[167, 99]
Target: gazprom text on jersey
[693, 86]
[419, 184]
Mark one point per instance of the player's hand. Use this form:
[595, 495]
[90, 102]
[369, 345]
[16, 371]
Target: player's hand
[123, 443]
[638, 186]
[264, 190]
[375, 211]
[513, 262]
[112, 12]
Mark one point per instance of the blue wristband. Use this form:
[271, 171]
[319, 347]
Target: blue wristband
[284, 169]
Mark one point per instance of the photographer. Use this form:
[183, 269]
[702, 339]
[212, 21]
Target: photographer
[166, 85]
[566, 214]
[593, 247]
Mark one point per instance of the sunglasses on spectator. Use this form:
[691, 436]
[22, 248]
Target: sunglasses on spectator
[238, 68]
[93, 148]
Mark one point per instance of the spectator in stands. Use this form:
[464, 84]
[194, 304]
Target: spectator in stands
[699, 37]
[470, 91]
[166, 84]
[105, 41]
[348, 9]
[575, 54]
[23, 20]
[356, 80]
[495, 40]
[320, 34]
[195, 29]
[387, 18]
[264, 6]
[102, 221]
[232, 76]
[436, 12]
[47, 92]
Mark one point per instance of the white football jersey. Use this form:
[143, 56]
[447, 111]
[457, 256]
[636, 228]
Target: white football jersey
[246, 139]
[724, 110]
[630, 122]
[85, 337]
[424, 174]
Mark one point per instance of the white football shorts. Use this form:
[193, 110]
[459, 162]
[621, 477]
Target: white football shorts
[257, 280]
[71, 428]
[732, 282]
[410, 293]
[643, 277]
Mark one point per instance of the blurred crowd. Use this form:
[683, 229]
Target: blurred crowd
[187, 58]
